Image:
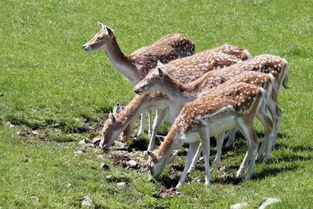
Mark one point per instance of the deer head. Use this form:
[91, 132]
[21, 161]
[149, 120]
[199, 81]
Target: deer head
[110, 131]
[101, 39]
[152, 81]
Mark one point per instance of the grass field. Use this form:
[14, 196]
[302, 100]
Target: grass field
[53, 94]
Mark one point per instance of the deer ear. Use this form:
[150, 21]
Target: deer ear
[160, 72]
[102, 26]
[160, 65]
[152, 155]
[110, 31]
[112, 117]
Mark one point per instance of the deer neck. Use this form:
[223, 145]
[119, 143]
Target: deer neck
[177, 92]
[169, 144]
[137, 106]
[121, 62]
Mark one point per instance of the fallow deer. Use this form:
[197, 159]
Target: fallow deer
[183, 71]
[211, 115]
[135, 66]
[181, 93]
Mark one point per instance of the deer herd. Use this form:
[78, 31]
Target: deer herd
[206, 94]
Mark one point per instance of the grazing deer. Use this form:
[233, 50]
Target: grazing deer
[135, 66]
[211, 115]
[181, 93]
[117, 123]
[180, 70]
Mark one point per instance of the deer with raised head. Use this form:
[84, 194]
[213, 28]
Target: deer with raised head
[210, 115]
[136, 65]
[181, 70]
[161, 80]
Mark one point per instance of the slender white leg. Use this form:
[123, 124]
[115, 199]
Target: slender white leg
[149, 123]
[231, 138]
[142, 125]
[160, 114]
[195, 159]
[252, 141]
[193, 147]
[264, 117]
[219, 145]
[205, 145]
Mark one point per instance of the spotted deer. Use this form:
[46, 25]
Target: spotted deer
[120, 121]
[181, 93]
[210, 114]
[184, 95]
[136, 65]
[181, 70]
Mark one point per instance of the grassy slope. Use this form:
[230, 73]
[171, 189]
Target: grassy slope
[46, 77]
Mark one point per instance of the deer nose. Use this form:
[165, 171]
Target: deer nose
[137, 91]
[85, 47]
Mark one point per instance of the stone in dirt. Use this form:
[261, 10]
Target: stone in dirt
[239, 205]
[121, 185]
[132, 164]
[82, 142]
[36, 199]
[269, 201]
[96, 141]
[35, 132]
[105, 167]
[78, 152]
[87, 201]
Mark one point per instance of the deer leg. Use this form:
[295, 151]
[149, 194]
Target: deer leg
[195, 159]
[265, 118]
[219, 146]
[246, 128]
[149, 122]
[231, 138]
[193, 147]
[205, 145]
[142, 125]
[156, 124]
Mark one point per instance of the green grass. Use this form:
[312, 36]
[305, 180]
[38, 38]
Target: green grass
[51, 85]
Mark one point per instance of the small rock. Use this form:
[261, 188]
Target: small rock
[18, 133]
[36, 199]
[11, 125]
[269, 201]
[119, 144]
[239, 205]
[96, 140]
[121, 185]
[68, 185]
[100, 156]
[109, 178]
[1, 94]
[87, 201]
[105, 167]
[27, 158]
[78, 152]
[82, 142]
[131, 163]
[35, 132]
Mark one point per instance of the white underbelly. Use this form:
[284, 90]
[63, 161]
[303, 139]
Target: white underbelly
[222, 125]
[191, 137]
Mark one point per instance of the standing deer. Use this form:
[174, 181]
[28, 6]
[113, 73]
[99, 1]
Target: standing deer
[179, 93]
[135, 66]
[210, 114]
[184, 71]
